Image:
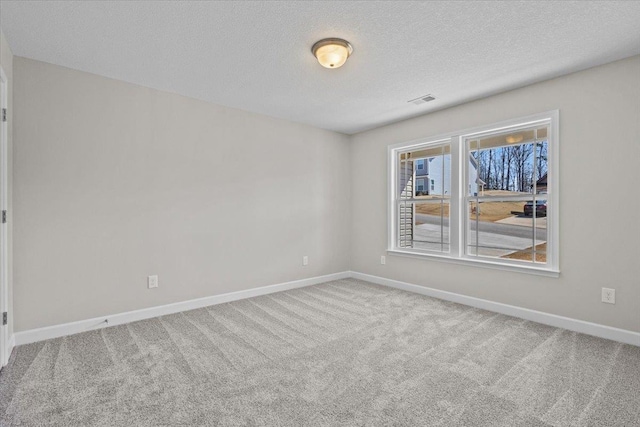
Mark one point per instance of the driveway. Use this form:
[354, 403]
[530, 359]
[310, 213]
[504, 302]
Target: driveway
[524, 221]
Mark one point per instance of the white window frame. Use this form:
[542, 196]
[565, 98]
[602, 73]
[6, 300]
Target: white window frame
[417, 185]
[458, 215]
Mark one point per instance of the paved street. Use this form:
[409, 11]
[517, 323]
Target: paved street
[490, 227]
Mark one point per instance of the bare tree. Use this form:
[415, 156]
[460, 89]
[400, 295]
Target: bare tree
[489, 180]
[541, 159]
[522, 170]
[511, 168]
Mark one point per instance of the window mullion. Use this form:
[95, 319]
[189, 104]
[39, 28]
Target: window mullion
[455, 205]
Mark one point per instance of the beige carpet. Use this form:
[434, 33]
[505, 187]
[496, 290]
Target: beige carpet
[344, 353]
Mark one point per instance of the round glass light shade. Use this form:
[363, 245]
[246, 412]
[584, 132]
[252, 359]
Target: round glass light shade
[332, 53]
[512, 139]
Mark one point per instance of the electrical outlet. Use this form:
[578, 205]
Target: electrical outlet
[305, 260]
[152, 282]
[383, 260]
[609, 295]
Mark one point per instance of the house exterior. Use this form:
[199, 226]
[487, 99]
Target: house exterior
[541, 184]
[433, 176]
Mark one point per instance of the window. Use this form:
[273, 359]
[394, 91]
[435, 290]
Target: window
[423, 216]
[420, 164]
[492, 196]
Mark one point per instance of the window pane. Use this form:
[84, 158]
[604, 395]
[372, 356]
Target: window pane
[502, 230]
[405, 179]
[508, 163]
[431, 226]
[405, 206]
[433, 180]
[424, 174]
[405, 225]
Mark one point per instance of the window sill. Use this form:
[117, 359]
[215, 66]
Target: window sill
[482, 263]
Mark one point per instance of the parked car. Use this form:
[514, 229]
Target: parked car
[541, 208]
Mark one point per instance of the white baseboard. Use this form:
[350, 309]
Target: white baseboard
[602, 331]
[595, 329]
[11, 343]
[40, 334]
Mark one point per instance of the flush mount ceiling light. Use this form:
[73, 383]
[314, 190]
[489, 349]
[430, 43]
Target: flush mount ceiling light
[332, 53]
[512, 139]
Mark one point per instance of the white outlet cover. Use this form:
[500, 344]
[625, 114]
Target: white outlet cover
[609, 295]
[305, 260]
[383, 260]
[152, 282]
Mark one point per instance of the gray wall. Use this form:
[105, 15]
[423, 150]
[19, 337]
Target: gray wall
[115, 182]
[599, 230]
[6, 61]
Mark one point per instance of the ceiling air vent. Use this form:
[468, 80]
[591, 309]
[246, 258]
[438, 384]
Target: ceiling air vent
[422, 99]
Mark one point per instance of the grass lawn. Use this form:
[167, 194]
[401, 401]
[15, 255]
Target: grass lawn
[526, 255]
[489, 211]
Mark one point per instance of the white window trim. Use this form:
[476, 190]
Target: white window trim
[457, 212]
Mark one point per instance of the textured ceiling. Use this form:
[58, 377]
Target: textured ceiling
[256, 55]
